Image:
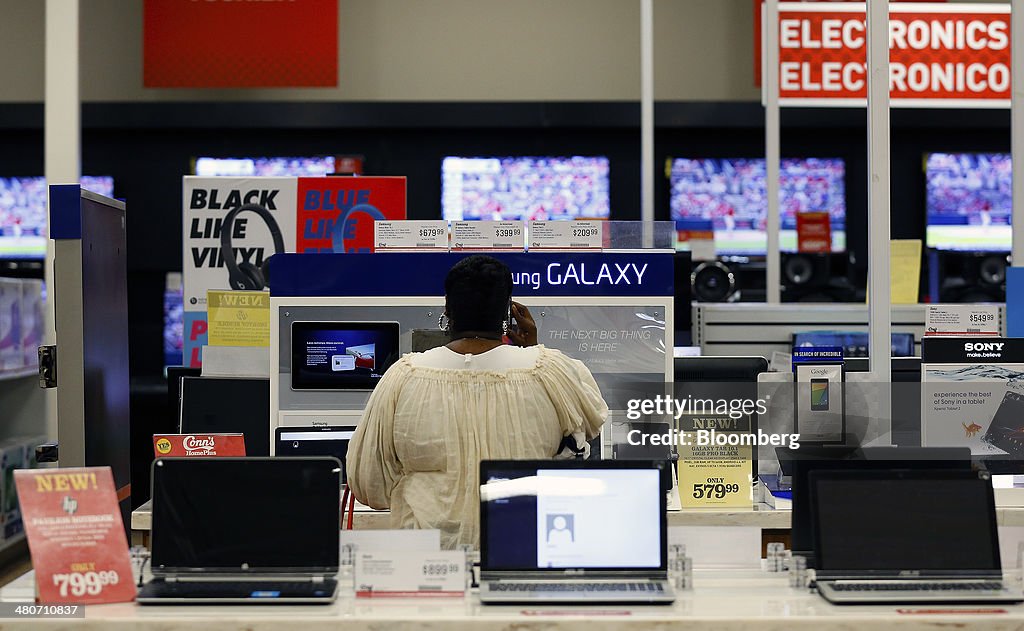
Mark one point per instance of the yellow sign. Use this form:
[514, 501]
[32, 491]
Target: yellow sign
[905, 269]
[238, 318]
[715, 466]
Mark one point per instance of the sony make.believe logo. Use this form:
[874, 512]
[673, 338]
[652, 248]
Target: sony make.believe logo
[983, 346]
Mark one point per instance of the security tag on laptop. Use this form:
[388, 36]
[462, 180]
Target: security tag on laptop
[410, 574]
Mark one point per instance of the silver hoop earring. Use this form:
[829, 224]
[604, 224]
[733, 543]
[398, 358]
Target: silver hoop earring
[444, 323]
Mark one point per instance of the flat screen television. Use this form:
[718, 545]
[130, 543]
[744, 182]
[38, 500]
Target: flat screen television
[23, 213]
[969, 201]
[310, 166]
[525, 188]
[728, 196]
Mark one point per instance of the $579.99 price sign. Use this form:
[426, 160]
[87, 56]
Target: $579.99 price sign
[716, 490]
[76, 535]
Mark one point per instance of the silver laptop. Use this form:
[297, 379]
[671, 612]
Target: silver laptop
[244, 530]
[573, 532]
[923, 536]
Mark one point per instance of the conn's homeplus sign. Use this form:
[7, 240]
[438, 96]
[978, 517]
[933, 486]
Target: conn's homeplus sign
[941, 55]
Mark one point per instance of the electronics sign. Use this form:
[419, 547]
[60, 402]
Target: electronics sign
[955, 55]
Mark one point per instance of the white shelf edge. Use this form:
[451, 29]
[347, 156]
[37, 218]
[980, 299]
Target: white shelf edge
[21, 373]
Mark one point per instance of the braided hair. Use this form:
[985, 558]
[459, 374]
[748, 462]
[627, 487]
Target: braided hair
[477, 291]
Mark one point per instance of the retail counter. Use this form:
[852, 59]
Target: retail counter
[722, 599]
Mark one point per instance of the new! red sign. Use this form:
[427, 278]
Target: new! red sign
[76, 535]
[940, 56]
[231, 44]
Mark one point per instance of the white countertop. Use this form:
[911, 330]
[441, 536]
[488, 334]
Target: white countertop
[722, 599]
[761, 516]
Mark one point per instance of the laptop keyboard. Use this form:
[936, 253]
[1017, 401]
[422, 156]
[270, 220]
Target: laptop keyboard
[238, 589]
[915, 586]
[577, 587]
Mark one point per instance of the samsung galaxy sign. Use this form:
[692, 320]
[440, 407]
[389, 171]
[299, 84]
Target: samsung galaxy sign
[422, 274]
[610, 274]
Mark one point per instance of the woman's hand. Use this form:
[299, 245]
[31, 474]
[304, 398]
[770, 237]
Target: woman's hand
[524, 333]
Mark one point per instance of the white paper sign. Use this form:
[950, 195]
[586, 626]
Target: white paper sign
[703, 250]
[566, 235]
[409, 235]
[962, 320]
[426, 540]
[488, 235]
[410, 574]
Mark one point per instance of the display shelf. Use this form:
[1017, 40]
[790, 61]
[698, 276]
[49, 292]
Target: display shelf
[21, 373]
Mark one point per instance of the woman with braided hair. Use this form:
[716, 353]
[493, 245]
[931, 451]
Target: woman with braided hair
[435, 415]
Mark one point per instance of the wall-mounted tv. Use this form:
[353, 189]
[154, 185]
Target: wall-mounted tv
[310, 166]
[525, 188]
[969, 201]
[728, 196]
[23, 213]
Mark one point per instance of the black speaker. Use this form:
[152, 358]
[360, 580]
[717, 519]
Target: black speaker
[815, 278]
[972, 276]
[683, 315]
[713, 281]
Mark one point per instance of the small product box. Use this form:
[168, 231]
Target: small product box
[11, 356]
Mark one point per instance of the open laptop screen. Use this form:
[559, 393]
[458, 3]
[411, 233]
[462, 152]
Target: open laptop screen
[904, 523]
[239, 515]
[315, 441]
[607, 515]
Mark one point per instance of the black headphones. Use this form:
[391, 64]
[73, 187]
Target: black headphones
[246, 275]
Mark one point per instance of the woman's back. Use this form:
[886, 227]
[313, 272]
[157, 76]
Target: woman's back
[435, 415]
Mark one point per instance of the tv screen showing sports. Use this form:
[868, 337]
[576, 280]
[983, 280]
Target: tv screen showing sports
[316, 166]
[342, 355]
[969, 201]
[728, 196]
[525, 188]
[23, 213]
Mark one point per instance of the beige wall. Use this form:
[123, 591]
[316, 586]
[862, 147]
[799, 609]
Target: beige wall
[436, 50]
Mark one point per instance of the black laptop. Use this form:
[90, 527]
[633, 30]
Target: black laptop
[244, 530]
[903, 537]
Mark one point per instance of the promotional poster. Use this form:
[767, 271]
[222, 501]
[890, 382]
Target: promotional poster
[215, 260]
[972, 395]
[336, 214]
[75, 535]
[713, 473]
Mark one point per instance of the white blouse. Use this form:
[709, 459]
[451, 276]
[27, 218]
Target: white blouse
[434, 416]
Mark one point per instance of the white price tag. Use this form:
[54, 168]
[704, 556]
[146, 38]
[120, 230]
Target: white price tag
[488, 235]
[407, 235]
[962, 320]
[566, 235]
[404, 574]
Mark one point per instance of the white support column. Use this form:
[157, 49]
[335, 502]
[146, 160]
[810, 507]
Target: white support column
[1017, 128]
[62, 137]
[647, 118]
[772, 147]
[879, 279]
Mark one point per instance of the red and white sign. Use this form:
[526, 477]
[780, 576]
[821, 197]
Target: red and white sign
[953, 55]
[75, 535]
[813, 232]
[231, 44]
[336, 214]
[198, 445]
